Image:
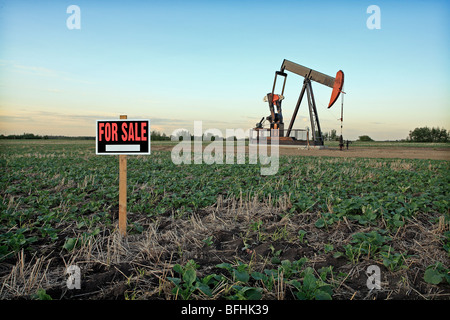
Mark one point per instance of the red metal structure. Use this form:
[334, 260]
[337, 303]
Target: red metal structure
[337, 87]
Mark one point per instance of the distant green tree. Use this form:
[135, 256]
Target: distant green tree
[365, 138]
[36, 136]
[425, 134]
[333, 135]
[158, 136]
[181, 134]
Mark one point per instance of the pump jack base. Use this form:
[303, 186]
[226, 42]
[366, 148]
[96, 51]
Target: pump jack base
[289, 142]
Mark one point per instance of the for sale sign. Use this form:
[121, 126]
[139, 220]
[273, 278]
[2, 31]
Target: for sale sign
[123, 137]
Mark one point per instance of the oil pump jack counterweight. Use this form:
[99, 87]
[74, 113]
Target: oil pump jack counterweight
[275, 118]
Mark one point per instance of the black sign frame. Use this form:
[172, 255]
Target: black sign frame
[110, 135]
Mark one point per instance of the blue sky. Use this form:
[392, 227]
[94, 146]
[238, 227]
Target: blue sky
[175, 62]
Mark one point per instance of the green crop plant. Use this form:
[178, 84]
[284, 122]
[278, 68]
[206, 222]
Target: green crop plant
[187, 283]
[245, 293]
[240, 273]
[280, 234]
[328, 247]
[366, 245]
[240, 276]
[437, 273]
[446, 245]
[257, 227]
[275, 255]
[394, 260]
[311, 288]
[41, 294]
[301, 235]
[287, 270]
[267, 278]
[326, 219]
[208, 241]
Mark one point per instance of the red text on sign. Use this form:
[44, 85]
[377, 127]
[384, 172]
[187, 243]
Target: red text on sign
[107, 131]
[131, 132]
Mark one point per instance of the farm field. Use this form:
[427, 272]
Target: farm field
[433, 151]
[224, 231]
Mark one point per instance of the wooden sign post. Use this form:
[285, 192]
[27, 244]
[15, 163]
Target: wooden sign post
[123, 191]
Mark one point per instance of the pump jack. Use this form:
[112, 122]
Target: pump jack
[276, 118]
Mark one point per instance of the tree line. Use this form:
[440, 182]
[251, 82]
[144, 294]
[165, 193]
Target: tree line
[154, 136]
[37, 136]
[422, 134]
[425, 134]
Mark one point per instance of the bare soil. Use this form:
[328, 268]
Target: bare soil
[356, 152]
[392, 152]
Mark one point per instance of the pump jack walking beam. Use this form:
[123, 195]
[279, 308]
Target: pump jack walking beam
[308, 73]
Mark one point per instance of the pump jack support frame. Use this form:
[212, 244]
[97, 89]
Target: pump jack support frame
[313, 115]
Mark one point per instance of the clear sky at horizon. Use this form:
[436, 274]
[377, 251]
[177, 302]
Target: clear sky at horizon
[176, 62]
